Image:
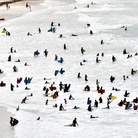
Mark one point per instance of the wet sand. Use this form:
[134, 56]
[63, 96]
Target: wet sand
[18, 8]
[9, 2]
[6, 131]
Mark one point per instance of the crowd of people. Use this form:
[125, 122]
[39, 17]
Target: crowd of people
[53, 90]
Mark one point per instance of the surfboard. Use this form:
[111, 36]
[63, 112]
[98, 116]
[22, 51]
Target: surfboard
[70, 125]
[105, 108]
[85, 91]
[62, 37]
[113, 97]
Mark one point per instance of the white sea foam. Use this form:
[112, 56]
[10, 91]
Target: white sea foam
[106, 24]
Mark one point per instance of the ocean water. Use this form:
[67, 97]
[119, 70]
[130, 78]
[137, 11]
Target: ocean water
[106, 19]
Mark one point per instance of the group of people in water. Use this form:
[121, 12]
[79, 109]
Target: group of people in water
[64, 87]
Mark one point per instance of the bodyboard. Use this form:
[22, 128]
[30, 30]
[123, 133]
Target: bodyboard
[19, 80]
[52, 88]
[130, 105]
[85, 91]
[127, 95]
[4, 84]
[62, 71]
[101, 91]
[54, 96]
[113, 97]
[37, 53]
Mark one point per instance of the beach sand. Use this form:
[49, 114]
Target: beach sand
[4, 2]
[18, 8]
[6, 131]
[9, 2]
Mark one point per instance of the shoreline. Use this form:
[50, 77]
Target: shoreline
[14, 12]
[6, 130]
[10, 1]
